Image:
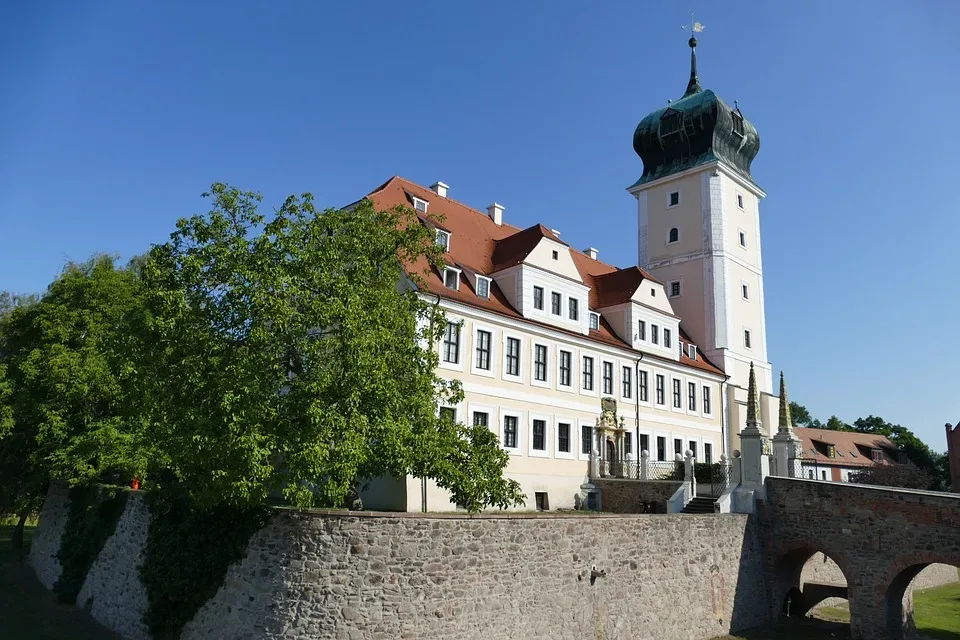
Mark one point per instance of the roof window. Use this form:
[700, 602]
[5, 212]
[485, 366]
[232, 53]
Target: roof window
[483, 287]
[451, 278]
[443, 239]
[670, 122]
[737, 122]
[419, 204]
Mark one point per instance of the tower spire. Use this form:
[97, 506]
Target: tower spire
[786, 421]
[753, 402]
[694, 85]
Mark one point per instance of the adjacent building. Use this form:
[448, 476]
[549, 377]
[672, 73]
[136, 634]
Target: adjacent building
[834, 455]
[953, 455]
[540, 332]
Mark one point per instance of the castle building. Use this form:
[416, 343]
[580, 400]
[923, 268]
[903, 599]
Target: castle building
[543, 335]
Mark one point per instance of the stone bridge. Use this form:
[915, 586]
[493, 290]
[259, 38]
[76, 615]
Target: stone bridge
[881, 538]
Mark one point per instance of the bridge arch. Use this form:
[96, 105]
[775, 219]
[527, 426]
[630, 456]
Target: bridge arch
[892, 589]
[796, 596]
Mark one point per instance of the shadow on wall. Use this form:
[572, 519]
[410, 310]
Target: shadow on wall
[751, 585]
[898, 599]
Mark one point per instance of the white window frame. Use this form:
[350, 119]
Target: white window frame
[667, 446]
[443, 239]
[740, 201]
[594, 320]
[692, 351]
[613, 378]
[679, 199]
[559, 313]
[633, 384]
[489, 284]
[419, 201]
[596, 373]
[462, 348]
[547, 452]
[670, 293]
[747, 337]
[533, 365]
[742, 238]
[683, 404]
[679, 235]
[492, 372]
[504, 414]
[696, 397]
[543, 299]
[666, 392]
[574, 370]
[448, 268]
[507, 376]
[574, 437]
[706, 391]
[573, 304]
[593, 438]
[745, 290]
[492, 418]
[651, 386]
[714, 458]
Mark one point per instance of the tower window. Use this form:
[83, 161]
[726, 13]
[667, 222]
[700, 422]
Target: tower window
[743, 239]
[673, 199]
[745, 290]
[740, 200]
[670, 122]
[674, 288]
[746, 338]
[675, 236]
[737, 123]
[556, 255]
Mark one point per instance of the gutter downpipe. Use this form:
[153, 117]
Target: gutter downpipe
[636, 404]
[423, 481]
[723, 416]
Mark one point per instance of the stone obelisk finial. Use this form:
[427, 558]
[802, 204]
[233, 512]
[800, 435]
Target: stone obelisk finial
[786, 421]
[753, 402]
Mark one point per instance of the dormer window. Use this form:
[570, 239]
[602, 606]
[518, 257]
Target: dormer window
[420, 205]
[831, 451]
[451, 278]
[737, 122]
[443, 239]
[670, 122]
[594, 320]
[877, 455]
[556, 255]
[483, 287]
[573, 303]
[692, 351]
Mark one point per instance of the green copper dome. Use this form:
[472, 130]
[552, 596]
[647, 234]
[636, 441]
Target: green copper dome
[694, 130]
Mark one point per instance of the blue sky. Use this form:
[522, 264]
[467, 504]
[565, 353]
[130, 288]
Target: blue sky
[116, 115]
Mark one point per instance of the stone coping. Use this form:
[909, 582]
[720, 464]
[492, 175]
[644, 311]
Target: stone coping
[325, 513]
[873, 487]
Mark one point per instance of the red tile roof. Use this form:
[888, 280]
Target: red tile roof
[852, 448]
[478, 244]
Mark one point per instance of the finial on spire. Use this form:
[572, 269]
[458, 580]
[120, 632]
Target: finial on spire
[786, 420]
[694, 85]
[753, 403]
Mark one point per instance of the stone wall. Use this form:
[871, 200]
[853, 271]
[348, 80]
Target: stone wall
[46, 539]
[378, 577]
[629, 496]
[112, 591]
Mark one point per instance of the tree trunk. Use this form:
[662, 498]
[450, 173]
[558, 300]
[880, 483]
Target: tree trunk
[17, 538]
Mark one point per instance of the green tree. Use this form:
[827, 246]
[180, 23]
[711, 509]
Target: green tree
[836, 424]
[295, 353]
[801, 417]
[908, 476]
[912, 447]
[65, 411]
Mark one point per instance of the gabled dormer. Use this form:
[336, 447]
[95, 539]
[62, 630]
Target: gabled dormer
[636, 307]
[535, 271]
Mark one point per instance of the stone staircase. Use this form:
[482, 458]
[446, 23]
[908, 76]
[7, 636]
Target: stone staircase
[699, 505]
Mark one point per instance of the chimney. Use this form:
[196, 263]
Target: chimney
[591, 253]
[495, 212]
[440, 189]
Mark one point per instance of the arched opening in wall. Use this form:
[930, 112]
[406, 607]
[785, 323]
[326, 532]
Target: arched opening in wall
[923, 597]
[812, 584]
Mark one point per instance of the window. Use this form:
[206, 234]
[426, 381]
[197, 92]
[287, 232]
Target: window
[661, 448]
[642, 330]
[443, 239]
[708, 453]
[746, 338]
[538, 298]
[642, 391]
[556, 255]
[693, 448]
[654, 334]
[481, 419]
[706, 400]
[670, 122]
[510, 432]
[540, 362]
[628, 442]
[608, 378]
[737, 123]
[740, 200]
[451, 278]
[644, 443]
[483, 287]
[451, 343]
[555, 303]
[743, 239]
[586, 434]
[653, 292]
[448, 413]
[588, 373]
[513, 356]
[674, 288]
[692, 396]
[692, 351]
[574, 308]
[810, 474]
[744, 291]
[563, 437]
[666, 338]
[660, 389]
[539, 435]
[420, 205]
[677, 400]
[483, 350]
[823, 474]
[831, 451]
[673, 199]
[543, 503]
[565, 357]
[677, 446]
[877, 455]
[626, 378]
[594, 321]
[674, 236]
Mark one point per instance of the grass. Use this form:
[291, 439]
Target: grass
[937, 612]
[27, 610]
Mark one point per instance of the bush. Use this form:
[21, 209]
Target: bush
[94, 512]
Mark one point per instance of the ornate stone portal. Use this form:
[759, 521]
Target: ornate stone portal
[608, 451]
